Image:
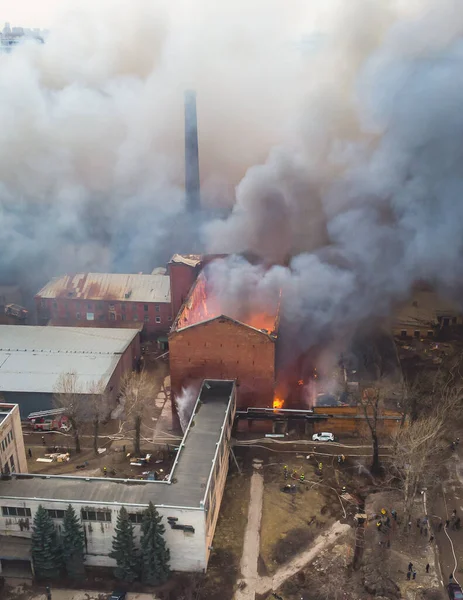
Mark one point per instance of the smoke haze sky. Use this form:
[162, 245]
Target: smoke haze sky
[332, 131]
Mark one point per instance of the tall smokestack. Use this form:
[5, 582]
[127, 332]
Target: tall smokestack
[193, 200]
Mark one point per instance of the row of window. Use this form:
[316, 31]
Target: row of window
[87, 515]
[13, 511]
[101, 306]
[7, 440]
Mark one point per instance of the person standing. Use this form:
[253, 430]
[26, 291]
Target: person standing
[410, 566]
[408, 575]
[427, 568]
[414, 574]
[43, 440]
[30, 453]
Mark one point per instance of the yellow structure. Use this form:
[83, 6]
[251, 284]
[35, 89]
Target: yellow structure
[12, 452]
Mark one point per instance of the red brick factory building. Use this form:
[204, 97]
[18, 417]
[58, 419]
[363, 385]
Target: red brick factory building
[206, 344]
[107, 300]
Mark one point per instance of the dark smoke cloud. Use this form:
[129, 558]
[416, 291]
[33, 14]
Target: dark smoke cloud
[367, 198]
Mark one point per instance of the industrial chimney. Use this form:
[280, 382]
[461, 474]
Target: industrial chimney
[192, 189]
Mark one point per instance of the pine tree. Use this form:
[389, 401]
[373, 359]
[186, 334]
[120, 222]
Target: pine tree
[73, 543]
[155, 556]
[45, 548]
[124, 551]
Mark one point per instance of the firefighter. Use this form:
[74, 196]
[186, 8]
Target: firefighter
[320, 466]
[302, 477]
[343, 490]
[43, 440]
[105, 471]
[285, 471]
[343, 458]
[379, 525]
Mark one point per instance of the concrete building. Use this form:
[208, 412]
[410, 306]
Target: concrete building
[205, 344]
[107, 300]
[12, 453]
[189, 500]
[33, 358]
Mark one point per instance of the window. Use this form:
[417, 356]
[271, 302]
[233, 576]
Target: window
[101, 317]
[112, 316]
[416, 334]
[89, 306]
[78, 316]
[112, 307]
[122, 307]
[43, 303]
[135, 317]
[136, 517]
[157, 308]
[430, 333]
[90, 316]
[147, 319]
[13, 470]
[454, 320]
[123, 317]
[13, 511]
[169, 318]
[55, 304]
[145, 307]
[91, 515]
[403, 333]
[158, 319]
[56, 514]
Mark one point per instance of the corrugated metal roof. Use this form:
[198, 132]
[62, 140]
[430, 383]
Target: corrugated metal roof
[192, 260]
[109, 286]
[33, 358]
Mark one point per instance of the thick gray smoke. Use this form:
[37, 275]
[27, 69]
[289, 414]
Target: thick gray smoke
[91, 145]
[366, 198]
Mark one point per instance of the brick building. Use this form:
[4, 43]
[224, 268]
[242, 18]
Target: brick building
[107, 300]
[206, 344]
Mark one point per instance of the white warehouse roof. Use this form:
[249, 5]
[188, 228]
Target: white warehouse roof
[33, 358]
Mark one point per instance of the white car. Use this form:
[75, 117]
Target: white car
[323, 437]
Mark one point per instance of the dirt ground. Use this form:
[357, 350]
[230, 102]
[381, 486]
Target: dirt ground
[291, 521]
[223, 568]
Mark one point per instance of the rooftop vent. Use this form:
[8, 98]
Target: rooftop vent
[128, 294]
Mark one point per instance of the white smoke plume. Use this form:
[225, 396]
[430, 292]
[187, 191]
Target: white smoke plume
[365, 198]
[342, 120]
[185, 404]
[91, 151]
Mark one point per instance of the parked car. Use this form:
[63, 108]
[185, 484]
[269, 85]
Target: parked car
[454, 591]
[118, 596]
[324, 436]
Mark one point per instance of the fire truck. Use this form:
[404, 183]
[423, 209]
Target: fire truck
[49, 420]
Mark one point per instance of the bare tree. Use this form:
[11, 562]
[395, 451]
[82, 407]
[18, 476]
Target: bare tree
[416, 446]
[70, 395]
[370, 401]
[98, 401]
[136, 391]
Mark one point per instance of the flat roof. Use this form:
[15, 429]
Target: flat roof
[33, 358]
[189, 477]
[423, 308]
[109, 286]
[191, 260]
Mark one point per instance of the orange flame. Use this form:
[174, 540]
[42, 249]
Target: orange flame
[278, 403]
[300, 382]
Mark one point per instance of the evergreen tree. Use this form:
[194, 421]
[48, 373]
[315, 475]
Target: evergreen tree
[124, 551]
[73, 543]
[45, 548]
[155, 556]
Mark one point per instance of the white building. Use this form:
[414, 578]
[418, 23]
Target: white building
[32, 359]
[189, 500]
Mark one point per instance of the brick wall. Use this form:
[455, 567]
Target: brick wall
[156, 317]
[224, 349]
[182, 278]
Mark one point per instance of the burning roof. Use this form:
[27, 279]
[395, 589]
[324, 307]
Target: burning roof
[203, 304]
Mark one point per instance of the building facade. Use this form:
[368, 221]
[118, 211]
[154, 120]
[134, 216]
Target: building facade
[223, 348]
[107, 300]
[189, 501]
[12, 452]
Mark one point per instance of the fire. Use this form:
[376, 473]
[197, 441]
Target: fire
[300, 382]
[278, 402]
